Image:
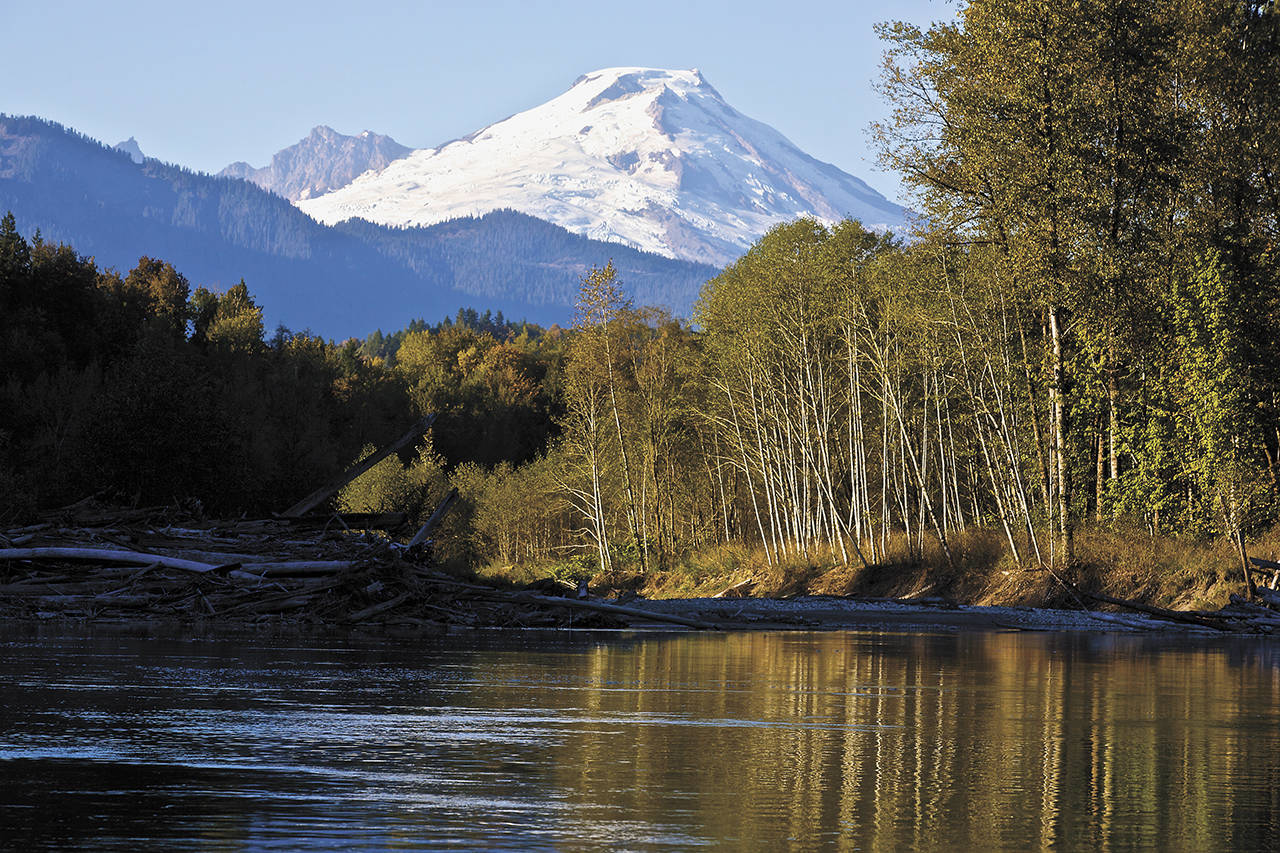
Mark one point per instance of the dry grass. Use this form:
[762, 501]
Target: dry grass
[1187, 574]
[1122, 562]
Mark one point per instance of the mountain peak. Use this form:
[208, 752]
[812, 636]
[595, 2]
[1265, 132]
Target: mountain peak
[323, 131]
[325, 160]
[613, 84]
[130, 147]
[650, 157]
[650, 76]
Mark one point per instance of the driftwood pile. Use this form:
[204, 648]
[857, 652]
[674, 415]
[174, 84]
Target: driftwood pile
[301, 566]
[145, 565]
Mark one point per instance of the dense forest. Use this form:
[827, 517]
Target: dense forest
[1080, 336]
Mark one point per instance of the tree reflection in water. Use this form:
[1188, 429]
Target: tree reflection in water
[766, 741]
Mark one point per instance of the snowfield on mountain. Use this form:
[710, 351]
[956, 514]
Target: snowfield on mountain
[649, 158]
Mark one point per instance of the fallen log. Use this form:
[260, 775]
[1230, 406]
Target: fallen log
[424, 530]
[450, 612]
[114, 601]
[1240, 607]
[30, 528]
[72, 587]
[33, 580]
[1270, 596]
[616, 609]
[93, 555]
[278, 605]
[732, 588]
[1160, 612]
[1119, 620]
[213, 558]
[352, 520]
[300, 567]
[380, 607]
[170, 564]
[602, 607]
[247, 577]
[258, 605]
[322, 494]
[1268, 565]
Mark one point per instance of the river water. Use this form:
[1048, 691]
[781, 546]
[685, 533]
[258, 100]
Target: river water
[607, 741]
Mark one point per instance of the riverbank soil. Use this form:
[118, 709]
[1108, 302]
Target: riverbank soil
[1126, 564]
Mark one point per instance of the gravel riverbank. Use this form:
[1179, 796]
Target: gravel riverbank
[842, 614]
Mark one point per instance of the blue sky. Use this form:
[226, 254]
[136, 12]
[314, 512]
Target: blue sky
[207, 84]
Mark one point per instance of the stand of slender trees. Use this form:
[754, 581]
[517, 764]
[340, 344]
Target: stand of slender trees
[1084, 327]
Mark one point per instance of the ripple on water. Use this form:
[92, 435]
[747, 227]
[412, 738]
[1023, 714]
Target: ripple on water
[645, 742]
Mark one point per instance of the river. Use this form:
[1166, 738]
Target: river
[638, 741]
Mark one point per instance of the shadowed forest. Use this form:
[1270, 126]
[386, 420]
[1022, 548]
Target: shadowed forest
[1071, 366]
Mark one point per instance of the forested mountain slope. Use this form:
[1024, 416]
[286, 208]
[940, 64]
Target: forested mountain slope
[335, 281]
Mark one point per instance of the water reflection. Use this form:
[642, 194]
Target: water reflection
[752, 741]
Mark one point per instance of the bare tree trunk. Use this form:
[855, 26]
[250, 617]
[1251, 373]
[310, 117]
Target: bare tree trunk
[1100, 481]
[955, 468]
[769, 555]
[920, 473]
[1113, 427]
[632, 509]
[1034, 402]
[1061, 422]
[1249, 586]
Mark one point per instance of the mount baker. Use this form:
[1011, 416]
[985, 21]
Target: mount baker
[650, 158]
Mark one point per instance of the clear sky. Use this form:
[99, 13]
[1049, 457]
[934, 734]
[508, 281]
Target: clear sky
[207, 84]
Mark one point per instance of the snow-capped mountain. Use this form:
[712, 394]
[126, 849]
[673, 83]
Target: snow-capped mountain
[324, 161]
[650, 158]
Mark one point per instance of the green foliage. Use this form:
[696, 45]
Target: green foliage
[136, 388]
[1210, 381]
[571, 570]
[495, 400]
[391, 486]
[231, 322]
[157, 292]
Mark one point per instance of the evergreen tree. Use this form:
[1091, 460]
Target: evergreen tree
[15, 261]
[236, 324]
